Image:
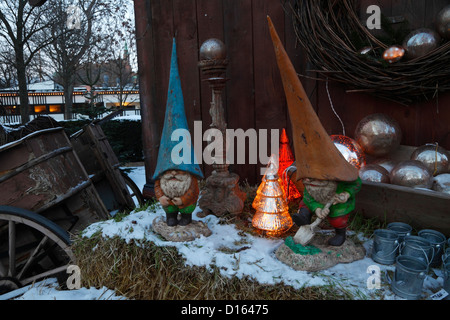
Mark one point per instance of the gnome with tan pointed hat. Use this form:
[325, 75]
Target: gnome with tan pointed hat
[326, 175]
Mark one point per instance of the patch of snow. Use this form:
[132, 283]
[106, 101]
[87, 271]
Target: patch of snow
[129, 117]
[49, 291]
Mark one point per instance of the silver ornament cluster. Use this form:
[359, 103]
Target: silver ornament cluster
[427, 167]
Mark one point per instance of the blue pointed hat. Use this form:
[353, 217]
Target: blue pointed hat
[170, 156]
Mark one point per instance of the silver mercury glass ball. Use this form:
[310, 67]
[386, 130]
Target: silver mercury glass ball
[441, 183]
[374, 173]
[213, 49]
[378, 134]
[434, 157]
[411, 173]
[365, 51]
[420, 42]
[388, 164]
[443, 22]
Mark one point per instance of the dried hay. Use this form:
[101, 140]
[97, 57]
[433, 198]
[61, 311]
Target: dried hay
[145, 271]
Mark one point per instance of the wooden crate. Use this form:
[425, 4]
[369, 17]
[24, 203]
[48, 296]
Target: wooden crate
[420, 208]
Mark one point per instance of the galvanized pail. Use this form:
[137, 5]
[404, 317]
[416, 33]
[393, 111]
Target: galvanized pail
[409, 276]
[385, 246]
[437, 240]
[418, 247]
[401, 228]
[447, 277]
[446, 257]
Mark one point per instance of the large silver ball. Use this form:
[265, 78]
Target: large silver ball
[388, 164]
[378, 134]
[443, 22]
[411, 173]
[434, 157]
[420, 42]
[374, 173]
[213, 49]
[441, 183]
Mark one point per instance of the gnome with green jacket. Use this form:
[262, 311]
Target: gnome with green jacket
[176, 174]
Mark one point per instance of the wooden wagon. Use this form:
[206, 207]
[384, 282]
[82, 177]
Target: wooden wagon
[46, 193]
[117, 190]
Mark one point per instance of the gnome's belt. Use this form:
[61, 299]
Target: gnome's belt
[173, 209]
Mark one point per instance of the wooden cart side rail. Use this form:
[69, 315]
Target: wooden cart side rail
[34, 162]
[110, 164]
[70, 193]
[100, 208]
[12, 144]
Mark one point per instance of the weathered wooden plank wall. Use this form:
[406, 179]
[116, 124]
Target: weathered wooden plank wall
[254, 95]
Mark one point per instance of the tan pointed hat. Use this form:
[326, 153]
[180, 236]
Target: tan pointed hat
[316, 155]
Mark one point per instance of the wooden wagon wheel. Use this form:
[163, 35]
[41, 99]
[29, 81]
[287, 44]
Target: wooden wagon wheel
[135, 193]
[31, 248]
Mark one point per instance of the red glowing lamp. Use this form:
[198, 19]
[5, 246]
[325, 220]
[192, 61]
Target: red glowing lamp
[285, 159]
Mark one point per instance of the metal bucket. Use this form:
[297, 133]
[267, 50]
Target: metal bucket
[447, 278]
[385, 246]
[409, 276]
[401, 228]
[418, 247]
[437, 240]
[446, 257]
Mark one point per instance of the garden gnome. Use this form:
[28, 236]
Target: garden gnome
[177, 171]
[326, 175]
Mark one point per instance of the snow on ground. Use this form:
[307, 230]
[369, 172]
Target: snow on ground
[48, 290]
[256, 259]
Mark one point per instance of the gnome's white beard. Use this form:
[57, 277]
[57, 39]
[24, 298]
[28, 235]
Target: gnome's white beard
[321, 191]
[175, 185]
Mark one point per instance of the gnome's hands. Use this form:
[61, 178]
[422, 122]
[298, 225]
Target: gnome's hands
[322, 213]
[177, 201]
[164, 201]
[341, 198]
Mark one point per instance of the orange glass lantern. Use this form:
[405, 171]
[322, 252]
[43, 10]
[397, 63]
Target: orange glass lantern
[350, 149]
[272, 210]
[285, 159]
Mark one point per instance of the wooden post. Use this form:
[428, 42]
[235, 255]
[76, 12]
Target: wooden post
[146, 61]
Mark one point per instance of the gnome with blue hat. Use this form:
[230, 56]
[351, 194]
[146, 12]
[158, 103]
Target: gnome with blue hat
[176, 174]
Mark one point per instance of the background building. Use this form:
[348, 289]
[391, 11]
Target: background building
[47, 98]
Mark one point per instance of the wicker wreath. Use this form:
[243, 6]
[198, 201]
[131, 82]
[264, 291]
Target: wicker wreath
[327, 29]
